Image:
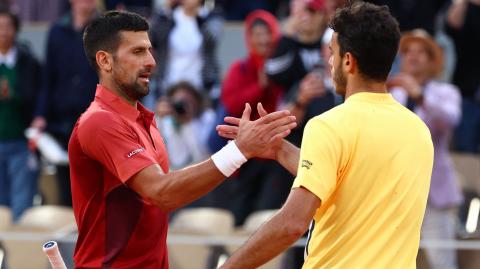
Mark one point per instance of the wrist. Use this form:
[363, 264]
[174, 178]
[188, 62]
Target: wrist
[281, 152]
[229, 159]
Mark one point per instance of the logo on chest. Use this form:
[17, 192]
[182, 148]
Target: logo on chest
[135, 152]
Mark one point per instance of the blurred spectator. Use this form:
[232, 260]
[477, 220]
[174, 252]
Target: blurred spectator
[438, 104]
[142, 7]
[40, 10]
[412, 14]
[69, 82]
[237, 10]
[297, 65]
[184, 35]
[297, 7]
[19, 83]
[463, 25]
[246, 82]
[184, 122]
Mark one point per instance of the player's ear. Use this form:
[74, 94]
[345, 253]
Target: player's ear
[104, 60]
[349, 62]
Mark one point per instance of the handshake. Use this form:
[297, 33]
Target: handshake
[261, 138]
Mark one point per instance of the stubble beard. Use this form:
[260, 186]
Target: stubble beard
[340, 81]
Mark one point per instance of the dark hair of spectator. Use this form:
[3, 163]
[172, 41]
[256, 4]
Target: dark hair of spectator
[371, 34]
[4, 11]
[103, 33]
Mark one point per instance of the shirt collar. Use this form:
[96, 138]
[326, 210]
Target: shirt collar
[121, 106]
[10, 58]
[371, 97]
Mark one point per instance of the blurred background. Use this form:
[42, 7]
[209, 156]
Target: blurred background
[213, 56]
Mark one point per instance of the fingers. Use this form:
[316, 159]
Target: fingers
[261, 111]
[232, 120]
[227, 129]
[281, 135]
[274, 116]
[272, 125]
[228, 136]
[246, 112]
[281, 131]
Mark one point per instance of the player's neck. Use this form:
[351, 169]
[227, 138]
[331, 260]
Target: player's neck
[112, 86]
[356, 85]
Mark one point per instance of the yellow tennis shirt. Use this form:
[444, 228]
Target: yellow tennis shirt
[369, 160]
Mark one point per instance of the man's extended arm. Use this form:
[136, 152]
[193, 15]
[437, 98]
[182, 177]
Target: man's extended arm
[172, 190]
[277, 234]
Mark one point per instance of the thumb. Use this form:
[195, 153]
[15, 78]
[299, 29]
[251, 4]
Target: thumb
[261, 111]
[246, 112]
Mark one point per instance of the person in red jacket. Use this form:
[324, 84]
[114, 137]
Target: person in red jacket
[246, 81]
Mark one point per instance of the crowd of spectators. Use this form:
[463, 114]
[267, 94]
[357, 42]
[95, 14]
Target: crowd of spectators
[286, 66]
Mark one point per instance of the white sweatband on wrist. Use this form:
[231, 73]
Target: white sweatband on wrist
[228, 159]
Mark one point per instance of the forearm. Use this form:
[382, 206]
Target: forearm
[275, 236]
[270, 240]
[178, 188]
[184, 186]
[288, 156]
[456, 14]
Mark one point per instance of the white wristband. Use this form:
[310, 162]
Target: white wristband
[228, 159]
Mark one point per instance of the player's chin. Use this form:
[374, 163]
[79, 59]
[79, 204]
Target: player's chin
[141, 89]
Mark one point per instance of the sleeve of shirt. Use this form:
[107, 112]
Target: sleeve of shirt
[319, 159]
[442, 103]
[105, 138]
[280, 67]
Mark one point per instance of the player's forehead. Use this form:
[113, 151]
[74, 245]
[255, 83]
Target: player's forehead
[130, 39]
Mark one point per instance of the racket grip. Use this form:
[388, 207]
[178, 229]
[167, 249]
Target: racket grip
[53, 254]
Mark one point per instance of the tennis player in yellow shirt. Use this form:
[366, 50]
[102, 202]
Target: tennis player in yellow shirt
[364, 167]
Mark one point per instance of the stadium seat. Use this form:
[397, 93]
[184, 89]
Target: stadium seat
[204, 220]
[468, 169]
[49, 217]
[256, 219]
[27, 253]
[252, 223]
[198, 221]
[5, 218]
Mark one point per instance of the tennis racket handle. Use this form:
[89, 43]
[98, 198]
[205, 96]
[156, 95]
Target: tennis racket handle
[53, 254]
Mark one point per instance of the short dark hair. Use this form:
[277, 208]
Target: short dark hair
[371, 34]
[4, 11]
[103, 33]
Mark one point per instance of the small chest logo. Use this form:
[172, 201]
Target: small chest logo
[135, 152]
[307, 164]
